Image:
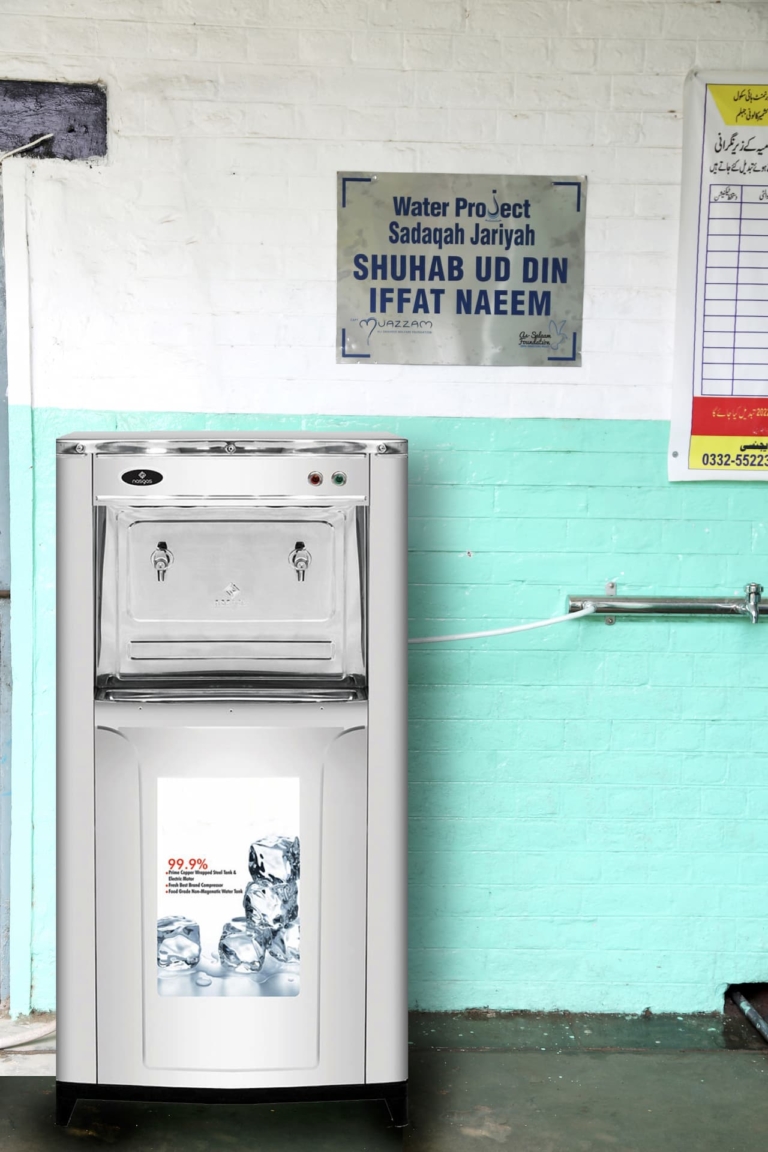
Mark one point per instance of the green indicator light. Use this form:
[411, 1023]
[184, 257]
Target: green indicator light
[339, 478]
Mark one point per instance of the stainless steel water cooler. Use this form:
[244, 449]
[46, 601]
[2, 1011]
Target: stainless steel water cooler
[231, 768]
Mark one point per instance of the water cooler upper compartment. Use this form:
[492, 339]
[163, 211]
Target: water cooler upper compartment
[217, 591]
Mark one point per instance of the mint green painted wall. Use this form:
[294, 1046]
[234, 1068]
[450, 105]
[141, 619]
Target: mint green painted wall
[24, 631]
[588, 805]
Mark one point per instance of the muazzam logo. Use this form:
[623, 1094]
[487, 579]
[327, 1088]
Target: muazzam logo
[369, 324]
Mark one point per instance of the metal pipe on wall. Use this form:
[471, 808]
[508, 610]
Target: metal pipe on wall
[747, 605]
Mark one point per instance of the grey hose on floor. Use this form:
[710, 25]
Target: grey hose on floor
[29, 1036]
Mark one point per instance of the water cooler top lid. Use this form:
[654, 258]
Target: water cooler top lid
[231, 443]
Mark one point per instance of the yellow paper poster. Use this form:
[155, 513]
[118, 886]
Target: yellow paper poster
[741, 104]
[729, 452]
[720, 403]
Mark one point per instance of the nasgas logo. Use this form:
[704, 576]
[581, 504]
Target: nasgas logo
[231, 597]
[141, 477]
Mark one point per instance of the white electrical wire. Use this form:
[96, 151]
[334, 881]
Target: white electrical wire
[25, 147]
[588, 611]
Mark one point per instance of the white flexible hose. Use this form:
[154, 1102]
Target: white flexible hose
[28, 1036]
[25, 147]
[588, 611]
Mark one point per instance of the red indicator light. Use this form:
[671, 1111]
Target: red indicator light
[315, 478]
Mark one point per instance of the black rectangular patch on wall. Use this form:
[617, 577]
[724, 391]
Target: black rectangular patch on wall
[76, 114]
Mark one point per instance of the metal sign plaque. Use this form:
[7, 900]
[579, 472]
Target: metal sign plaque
[447, 269]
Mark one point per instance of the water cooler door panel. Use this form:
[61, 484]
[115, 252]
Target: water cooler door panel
[215, 559]
[246, 831]
[230, 590]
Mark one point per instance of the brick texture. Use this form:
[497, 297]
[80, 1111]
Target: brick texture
[228, 121]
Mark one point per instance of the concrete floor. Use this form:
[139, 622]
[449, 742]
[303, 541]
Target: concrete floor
[557, 1083]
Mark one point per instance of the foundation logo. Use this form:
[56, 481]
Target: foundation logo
[539, 339]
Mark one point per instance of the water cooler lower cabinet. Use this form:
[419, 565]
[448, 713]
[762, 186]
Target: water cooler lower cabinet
[222, 829]
[231, 768]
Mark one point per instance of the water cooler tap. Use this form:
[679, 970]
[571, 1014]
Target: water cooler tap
[301, 559]
[162, 558]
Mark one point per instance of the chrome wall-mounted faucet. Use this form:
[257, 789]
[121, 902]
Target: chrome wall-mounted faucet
[752, 594]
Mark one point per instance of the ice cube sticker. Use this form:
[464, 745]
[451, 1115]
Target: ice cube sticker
[285, 944]
[178, 943]
[239, 932]
[272, 906]
[243, 944]
[275, 859]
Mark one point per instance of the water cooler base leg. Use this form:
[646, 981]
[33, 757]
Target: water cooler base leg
[65, 1106]
[395, 1095]
[397, 1107]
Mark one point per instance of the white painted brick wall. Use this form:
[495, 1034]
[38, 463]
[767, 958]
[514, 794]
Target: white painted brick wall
[194, 268]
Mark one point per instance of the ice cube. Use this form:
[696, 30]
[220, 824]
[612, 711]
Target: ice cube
[178, 942]
[243, 944]
[274, 858]
[285, 945]
[271, 905]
